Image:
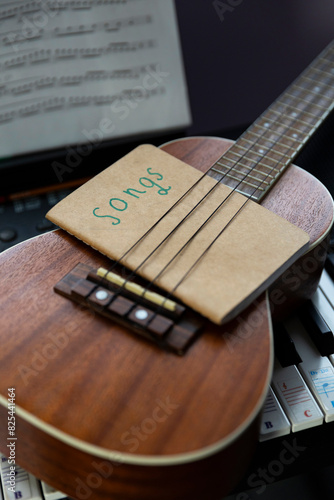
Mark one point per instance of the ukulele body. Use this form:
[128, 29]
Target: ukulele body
[101, 413]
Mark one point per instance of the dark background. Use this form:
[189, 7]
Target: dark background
[237, 66]
[237, 63]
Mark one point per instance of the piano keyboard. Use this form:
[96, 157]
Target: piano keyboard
[301, 395]
[27, 487]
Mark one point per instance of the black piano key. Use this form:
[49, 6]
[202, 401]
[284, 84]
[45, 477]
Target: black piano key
[285, 349]
[329, 264]
[331, 241]
[317, 328]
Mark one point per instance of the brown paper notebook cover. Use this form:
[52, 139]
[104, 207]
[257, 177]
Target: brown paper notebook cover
[114, 209]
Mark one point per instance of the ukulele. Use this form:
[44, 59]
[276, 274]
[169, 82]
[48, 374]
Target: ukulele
[104, 413]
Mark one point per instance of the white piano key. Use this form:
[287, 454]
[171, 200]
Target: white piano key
[50, 493]
[26, 486]
[317, 370]
[1, 497]
[274, 422]
[331, 358]
[296, 398]
[327, 287]
[324, 307]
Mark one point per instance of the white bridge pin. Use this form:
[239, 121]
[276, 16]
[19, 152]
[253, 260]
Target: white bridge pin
[141, 314]
[101, 295]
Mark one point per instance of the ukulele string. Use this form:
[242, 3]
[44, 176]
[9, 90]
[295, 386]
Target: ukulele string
[240, 182]
[158, 308]
[189, 270]
[134, 271]
[219, 206]
[223, 175]
[172, 291]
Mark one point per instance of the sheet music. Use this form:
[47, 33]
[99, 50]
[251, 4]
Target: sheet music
[89, 70]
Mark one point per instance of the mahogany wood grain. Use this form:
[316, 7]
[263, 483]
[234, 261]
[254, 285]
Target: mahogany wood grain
[95, 382]
[85, 476]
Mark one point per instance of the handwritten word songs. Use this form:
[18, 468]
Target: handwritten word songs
[120, 204]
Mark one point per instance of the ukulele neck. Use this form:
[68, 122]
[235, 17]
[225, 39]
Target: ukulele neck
[260, 156]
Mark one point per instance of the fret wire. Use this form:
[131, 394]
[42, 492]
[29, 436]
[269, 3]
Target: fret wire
[288, 157]
[237, 179]
[254, 152]
[279, 163]
[325, 68]
[270, 167]
[260, 163]
[275, 124]
[326, 61]
[252, 169]
[322, 83]
[280, 135]
[293, 118]
[249, 151]
[280, 100]
[283, 103]
[322, 58]
[293, 129]
[270, 148]
[243, 173]
[317, 94]
[322, 71]
[274, 121]
[312, 115]
[325, 72]
[304, 101]
[322, 101]
[323, 64]
[298, 119]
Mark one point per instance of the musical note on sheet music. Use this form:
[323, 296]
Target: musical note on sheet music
[28, 85]
[18, 12]
[34, 57]
[30, 107]
[20, 36]
[60, 58]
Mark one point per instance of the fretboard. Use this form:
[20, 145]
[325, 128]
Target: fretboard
[260, 156]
